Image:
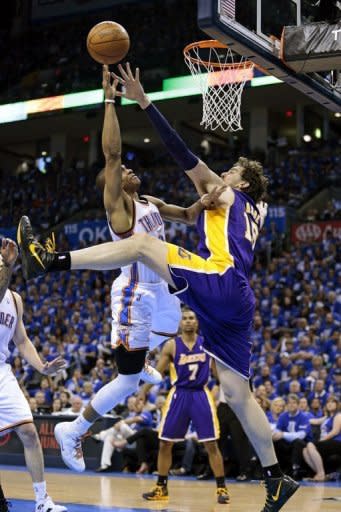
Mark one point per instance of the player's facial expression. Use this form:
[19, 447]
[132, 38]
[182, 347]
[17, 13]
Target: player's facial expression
[233, 177]
[189, 322]
[130, 182]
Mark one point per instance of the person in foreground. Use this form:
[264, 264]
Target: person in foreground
[15, 413]
[188, 402]
[214, 283]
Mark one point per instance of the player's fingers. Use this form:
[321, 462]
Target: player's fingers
[120, 93]
[119, 78]
[123, 72]
[137, 74]
[131, 76]
[115, 83]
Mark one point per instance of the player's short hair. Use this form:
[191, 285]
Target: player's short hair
[253, 174]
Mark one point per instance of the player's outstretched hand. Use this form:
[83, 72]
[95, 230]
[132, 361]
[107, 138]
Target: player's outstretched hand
[131, 86]
[56, 365]
[211, 200]
[9, 251]
[109, 85]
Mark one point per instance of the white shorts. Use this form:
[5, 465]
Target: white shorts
[14, 408]
[138, 310]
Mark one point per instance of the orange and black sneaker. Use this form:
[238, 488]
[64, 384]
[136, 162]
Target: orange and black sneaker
[35, 258]
[223, 495]
[278, 492]
[158, 493]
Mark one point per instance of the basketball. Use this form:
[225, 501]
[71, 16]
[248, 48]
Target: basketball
[108, 42]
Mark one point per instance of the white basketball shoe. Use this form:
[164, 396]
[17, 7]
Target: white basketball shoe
[47, 505]
[70, 446]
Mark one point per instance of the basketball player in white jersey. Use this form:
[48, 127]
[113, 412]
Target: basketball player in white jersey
[15, 413]
[144, 312]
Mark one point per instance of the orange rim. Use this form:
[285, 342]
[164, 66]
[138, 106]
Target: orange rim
[214, 43]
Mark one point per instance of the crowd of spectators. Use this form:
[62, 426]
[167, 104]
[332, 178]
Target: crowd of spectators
[68, 189]
[51, 57]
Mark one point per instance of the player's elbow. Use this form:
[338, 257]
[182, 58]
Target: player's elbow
[112, 155]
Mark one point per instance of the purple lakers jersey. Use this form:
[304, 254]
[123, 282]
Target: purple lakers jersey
[190, 367]
[230, 234]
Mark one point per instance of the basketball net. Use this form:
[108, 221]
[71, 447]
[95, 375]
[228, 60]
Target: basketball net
[221, 76]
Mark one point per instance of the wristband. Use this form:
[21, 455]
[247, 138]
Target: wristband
[107, 100]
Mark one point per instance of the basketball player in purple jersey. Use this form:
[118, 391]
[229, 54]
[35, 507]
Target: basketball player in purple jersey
[189, 402]
[213, 283]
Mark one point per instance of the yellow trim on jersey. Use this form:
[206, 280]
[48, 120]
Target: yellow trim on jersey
[173, 374]
[165, 410]
[216, 230]
[213, 408]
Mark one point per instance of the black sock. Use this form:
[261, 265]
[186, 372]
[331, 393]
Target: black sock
[220, 480]
[162, 480]
[273, 471]
[61, 261]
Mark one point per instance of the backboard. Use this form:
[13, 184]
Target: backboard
[253, 28]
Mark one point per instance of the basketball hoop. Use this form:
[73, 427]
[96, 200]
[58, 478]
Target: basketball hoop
[221, 76]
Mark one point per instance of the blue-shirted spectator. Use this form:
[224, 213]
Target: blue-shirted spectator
[291, 435]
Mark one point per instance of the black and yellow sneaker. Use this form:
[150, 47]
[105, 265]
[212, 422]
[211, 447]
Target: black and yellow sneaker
[158, 493]
[223, 496]
[278, 492]
[35, 258]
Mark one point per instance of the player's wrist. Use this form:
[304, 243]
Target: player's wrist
[144, 102]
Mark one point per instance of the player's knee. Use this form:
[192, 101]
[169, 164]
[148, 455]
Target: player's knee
[142, 244]
[211, 447]
[28, 435]
[165, 446]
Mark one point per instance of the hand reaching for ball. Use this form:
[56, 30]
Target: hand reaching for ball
[8, 251]
[109, 85]
[131, 86]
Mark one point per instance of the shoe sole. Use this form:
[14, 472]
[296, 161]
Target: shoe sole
[164, 498]
[59, 440]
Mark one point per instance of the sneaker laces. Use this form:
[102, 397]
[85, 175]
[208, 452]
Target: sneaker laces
[222, 491]
[50, 243]
[158, 490]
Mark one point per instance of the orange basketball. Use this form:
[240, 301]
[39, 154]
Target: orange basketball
[108, 42]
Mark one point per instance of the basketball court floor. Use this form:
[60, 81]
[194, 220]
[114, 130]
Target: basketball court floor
[118, 492]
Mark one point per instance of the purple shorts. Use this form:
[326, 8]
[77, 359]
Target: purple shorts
[185, 406]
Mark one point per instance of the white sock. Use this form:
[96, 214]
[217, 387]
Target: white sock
[80, 425]
[114, 392]
[39, 490]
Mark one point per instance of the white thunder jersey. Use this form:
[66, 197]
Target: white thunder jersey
[146, 219]
[8, 322]
[14, 408]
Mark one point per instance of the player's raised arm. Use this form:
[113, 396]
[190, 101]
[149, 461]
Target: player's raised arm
[202, 176]
[9, 254]
[111, 142]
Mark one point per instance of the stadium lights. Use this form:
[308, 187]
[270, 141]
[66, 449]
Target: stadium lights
[146, 140]
[318, 133]
[337, 114]
[177, 87]
[307, 138]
